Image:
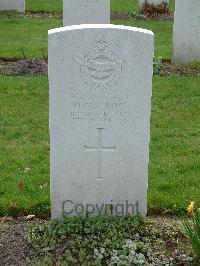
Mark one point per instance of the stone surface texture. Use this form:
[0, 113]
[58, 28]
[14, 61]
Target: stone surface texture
[100, 79]
[155, 2]
[86, 12]
[186, 36]
[18, 5]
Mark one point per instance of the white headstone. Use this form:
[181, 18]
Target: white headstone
[18, 5]
[155, 2]
[100, 79]
[76, 12]
[186, 39]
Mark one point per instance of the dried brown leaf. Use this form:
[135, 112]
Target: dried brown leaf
[7, 219]
[29, 217]
[21, 185]
[13, 205]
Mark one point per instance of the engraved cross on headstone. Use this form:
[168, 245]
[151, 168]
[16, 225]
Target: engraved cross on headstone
[100, 148]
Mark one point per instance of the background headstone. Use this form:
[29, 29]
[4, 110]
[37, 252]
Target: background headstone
[18, 5]
[100, 79]
[155, 2]
[76, 12]
[186, 39]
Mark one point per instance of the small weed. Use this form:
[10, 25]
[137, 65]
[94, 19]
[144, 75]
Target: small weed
[23, 53]
[136, 15]
[157, 65]
[97, 241]
[107, 241]
[44, 53]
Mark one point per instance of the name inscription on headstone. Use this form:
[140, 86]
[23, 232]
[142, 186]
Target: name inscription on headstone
[92, 108]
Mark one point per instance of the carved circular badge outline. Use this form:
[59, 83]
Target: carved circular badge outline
[99, 75]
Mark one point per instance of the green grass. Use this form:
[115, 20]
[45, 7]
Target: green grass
[174, 158]
[24, 144]
[175, 152]
[31, 34]
[56, 5]
[127, 6]
[163, 34]
[124, 5]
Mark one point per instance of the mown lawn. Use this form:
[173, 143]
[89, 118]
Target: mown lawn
[25, 33]
[163, 34]
[56, 5]
[44, 6]
[28, 36]
[175, 152]
[31, 35]
[24, 144]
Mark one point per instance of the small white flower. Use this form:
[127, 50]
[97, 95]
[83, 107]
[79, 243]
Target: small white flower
[102, 250]
[132, 252]
[96, 252]
[100, 256]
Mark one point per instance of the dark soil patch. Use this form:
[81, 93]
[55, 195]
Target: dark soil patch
[170, 69]
[13, 247]
[39, 66]
[114, 15]
[35, 66]
[118, 15]
[43, 15]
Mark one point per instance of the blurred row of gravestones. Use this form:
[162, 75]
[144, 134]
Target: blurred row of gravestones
[186, 34]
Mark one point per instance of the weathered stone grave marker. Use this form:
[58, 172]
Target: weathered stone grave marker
[86, 12]
[155, 2]
[100, 79]
[18, 5]
[186, 37]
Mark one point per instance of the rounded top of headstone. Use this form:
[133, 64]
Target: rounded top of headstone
[99, 26]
